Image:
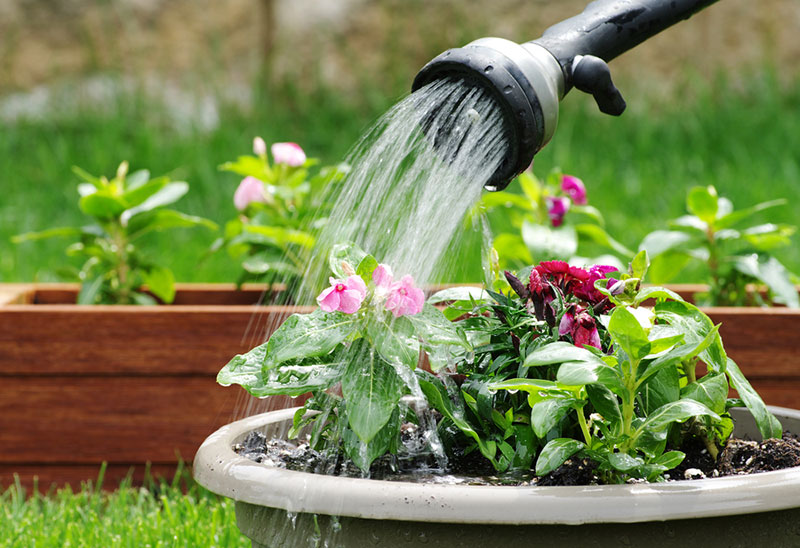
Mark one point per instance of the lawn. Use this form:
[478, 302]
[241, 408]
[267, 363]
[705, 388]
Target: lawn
[159, 514]
[738, 133]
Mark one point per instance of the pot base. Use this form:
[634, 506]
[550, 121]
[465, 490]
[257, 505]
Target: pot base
[271, 528]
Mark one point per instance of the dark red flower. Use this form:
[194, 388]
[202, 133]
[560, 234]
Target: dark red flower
[581, 326]
[562, 275]
[586, 289]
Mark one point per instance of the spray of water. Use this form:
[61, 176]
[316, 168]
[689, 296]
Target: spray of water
[413, 177]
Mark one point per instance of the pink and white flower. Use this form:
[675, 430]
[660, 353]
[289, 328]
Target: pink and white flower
[382, 276]
[574, 188]
[343, 295]
[288, 153]
[404, 298]
[249, 190]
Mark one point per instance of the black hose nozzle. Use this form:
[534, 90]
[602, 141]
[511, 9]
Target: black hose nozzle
[528, 80]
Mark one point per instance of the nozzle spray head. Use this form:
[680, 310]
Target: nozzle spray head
[527, 83]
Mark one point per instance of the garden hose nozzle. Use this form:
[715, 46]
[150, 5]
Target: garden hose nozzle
[528, 80]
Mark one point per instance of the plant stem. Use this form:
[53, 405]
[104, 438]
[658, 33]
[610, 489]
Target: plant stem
[584, 428]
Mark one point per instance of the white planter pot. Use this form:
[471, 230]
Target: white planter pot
[384, 513]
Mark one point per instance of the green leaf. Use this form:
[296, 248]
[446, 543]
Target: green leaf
[768, 425]
[605, 402]
[270, 261]
[170, 193]
[460, 293]
[599, 236]
[676, 411]
[366, 267]
[733, 218]
[371, 388]
[624, 462]
[660, 388]
[165, 219]
[288, 379]
[670, 459]
[135, 196]
[711, 391]
[394, 339]
[560, 352]
[438, 399]
[512, 249]
[61, 232]
[248, 166]
[308, 335]
[161, 282]
[88, 177]
[434, 328]
[363, 454]
[90, 291]
[703, 202]
[661, 241]
[546, 414]
[691, 349]
[279, 236]
[550, 243]
[143, 299]
[773, 274]
[655, 292]
[348, 253]
[555, 453]
[628, 333]
[492, 200]
[101, 206]
[138, 178]
[695, 326]
[639, 264]
[665, 267]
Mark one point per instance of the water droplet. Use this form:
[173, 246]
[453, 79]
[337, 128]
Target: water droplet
[488, 69]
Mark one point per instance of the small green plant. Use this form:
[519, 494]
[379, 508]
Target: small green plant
[549, 221]
[731, 256]
[569, 362]
[123, 208]
[281, 207]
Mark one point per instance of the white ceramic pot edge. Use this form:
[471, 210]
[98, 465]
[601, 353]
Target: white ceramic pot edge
[218, 468]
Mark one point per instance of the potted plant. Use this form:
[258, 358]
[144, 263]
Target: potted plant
[567, 370]
[118, 369]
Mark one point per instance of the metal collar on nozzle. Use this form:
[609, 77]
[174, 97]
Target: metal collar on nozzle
[527, 83]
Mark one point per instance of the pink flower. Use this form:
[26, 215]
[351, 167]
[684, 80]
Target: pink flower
[586, 289]
[382, 276]
[575, 188]
[288, 153]
[343, 295]
[259, 147]
[561, 274]
[581, 326]
[556, 209]
[249, 190]
[404, 299]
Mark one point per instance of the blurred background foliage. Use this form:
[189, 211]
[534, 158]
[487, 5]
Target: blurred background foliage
[180, 86]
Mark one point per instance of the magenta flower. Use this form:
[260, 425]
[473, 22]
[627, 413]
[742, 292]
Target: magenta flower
[581, 326]
[556, 209]
[343, 295]
[404, 299]
[574, 188]
[586, 289]
[249, 190]
[259, 147]
[382, 276]
[562, 275]
[288, 153]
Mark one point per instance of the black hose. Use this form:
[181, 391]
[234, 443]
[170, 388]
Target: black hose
[608, 28]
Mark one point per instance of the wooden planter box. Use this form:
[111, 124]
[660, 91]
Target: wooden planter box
[128, 385]
[764, 342]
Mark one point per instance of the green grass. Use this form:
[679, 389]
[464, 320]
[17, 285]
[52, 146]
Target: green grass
[164, 514]
[740, 134]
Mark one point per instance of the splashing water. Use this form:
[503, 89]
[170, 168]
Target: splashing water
[414, 175]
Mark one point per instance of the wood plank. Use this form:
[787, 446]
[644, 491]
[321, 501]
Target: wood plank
[15, 293]
[45, 478]
[63, 420]
[108, 340]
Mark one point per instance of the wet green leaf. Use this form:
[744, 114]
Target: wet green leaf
[555, 453]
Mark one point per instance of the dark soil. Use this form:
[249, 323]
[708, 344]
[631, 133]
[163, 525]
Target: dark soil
[739, 457]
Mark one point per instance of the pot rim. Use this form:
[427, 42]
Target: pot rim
[218, 468]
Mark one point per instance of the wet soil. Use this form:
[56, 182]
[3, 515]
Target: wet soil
[739, 457]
